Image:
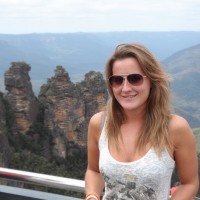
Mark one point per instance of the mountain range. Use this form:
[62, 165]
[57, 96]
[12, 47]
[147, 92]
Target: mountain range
[78, 53]
[184, 68]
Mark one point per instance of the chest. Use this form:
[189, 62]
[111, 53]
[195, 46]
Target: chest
[127, 146]
[149, 173]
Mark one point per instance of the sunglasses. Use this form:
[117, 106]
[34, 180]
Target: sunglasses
[133, 79]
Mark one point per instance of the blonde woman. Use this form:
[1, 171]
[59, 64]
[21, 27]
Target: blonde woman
[135, 144]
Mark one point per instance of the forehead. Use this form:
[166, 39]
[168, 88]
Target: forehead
[126, 66]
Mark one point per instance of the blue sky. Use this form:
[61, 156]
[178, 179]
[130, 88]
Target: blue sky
[60, 16]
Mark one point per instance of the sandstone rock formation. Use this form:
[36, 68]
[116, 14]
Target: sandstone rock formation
[68, 107]
[20, 96]
[63, 108]
[2, 113]
[4, 146]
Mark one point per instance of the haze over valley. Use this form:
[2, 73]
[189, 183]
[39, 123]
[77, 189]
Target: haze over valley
[79, 53]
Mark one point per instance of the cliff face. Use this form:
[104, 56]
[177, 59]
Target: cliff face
[2, 113]
[20, 96]
[4, 146]
[68, 108]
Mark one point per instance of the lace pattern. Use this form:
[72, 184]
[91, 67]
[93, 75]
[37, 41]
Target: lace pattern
[148, 178]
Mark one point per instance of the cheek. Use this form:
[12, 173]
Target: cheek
[116, 94]
[116, 91]
[145, 90]
[146, 87]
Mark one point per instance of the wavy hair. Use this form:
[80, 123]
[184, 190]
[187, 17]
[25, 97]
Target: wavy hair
[158, 109]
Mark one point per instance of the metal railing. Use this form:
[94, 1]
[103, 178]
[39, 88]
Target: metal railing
[43, 180]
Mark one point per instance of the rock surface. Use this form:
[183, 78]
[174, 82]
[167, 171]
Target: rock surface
[66, 107]
[20, 96]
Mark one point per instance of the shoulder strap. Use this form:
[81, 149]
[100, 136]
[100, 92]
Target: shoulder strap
[102, 120]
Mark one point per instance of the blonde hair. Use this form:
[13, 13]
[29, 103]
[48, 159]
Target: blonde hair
[158, 109]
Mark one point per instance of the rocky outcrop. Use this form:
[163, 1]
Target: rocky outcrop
[63, 108]
[68, 107]
[4, 146]
[93, 92]
[2, 112]
[20, 96]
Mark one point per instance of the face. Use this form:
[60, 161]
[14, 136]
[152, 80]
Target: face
[131, 97]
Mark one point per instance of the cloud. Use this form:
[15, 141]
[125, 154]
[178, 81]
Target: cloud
[98, 15]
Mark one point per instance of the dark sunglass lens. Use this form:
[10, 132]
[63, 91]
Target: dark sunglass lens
[134, 78]
[116, 80]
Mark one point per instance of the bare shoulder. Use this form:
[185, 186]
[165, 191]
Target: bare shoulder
[180, 131]
[96, 118]
[95, 124]
[178, 122]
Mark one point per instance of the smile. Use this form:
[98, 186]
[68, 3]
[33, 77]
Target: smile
[130, 96]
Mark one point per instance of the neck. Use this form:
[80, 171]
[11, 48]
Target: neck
[137, 115]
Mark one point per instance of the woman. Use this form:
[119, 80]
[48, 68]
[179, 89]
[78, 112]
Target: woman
[134, 145]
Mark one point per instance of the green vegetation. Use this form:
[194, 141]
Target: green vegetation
[31, 152]
[71, 167]
[28, 155]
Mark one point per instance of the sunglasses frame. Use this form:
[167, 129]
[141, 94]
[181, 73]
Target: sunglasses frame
[125, 76]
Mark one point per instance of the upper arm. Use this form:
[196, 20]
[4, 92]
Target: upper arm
[185, 153]
[94, 131]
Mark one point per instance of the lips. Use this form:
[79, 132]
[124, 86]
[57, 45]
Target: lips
[129, 96]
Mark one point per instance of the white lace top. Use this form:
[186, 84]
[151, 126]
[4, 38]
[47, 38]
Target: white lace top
[148, 178]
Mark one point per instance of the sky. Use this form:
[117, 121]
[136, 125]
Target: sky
[64, 16]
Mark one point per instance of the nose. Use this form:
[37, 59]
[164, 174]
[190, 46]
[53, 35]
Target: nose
[126, 85]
